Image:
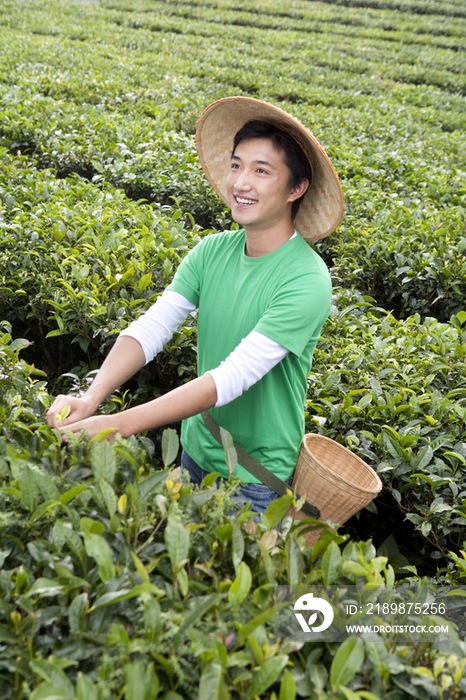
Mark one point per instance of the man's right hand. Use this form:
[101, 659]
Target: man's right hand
[79, 409]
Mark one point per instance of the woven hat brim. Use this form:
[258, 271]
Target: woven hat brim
[322, 207]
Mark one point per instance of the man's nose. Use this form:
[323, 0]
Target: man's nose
[243, 180]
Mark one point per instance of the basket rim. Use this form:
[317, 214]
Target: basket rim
[341, 478]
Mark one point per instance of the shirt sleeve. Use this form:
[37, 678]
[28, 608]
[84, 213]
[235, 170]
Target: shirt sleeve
[297, 312]
[250, 361]
[156, 326]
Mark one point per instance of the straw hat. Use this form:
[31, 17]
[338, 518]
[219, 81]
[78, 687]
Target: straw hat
[322, 206]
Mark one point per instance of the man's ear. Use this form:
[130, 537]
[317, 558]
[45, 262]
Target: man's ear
[299, 190]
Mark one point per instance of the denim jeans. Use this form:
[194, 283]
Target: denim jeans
[259, 495]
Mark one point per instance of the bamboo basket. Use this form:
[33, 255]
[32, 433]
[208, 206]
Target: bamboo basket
[334, 479]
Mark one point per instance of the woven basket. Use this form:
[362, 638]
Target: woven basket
[334, 479]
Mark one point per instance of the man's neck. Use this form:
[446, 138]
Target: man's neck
[263, 242]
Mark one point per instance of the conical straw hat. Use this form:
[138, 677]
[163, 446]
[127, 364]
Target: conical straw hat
[322, 207]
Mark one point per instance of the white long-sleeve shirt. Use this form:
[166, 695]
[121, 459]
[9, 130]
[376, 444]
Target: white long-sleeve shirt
[247, 363]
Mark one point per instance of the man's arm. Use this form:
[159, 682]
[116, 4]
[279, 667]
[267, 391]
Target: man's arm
[183, 402]
[123, 361]
[248, 363]
[135, 346]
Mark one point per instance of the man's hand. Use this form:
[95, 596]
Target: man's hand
[124, 360]
[94, 425]
[186, 400]
[67, 410]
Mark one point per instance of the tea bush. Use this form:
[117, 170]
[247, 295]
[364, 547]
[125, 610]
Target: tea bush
[80, 262]
[396, 392]
[147, 161]
[393, 127]
[117, 581]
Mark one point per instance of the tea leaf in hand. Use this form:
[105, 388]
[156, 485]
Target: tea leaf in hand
[64, 413]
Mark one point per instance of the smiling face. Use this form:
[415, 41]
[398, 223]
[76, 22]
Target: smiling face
[258, 186]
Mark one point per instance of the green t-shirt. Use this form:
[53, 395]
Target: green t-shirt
[284, 295]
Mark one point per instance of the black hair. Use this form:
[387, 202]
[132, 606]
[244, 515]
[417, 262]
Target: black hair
[294, 157]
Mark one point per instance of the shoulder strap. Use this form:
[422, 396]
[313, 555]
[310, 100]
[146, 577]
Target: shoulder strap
[254, 467]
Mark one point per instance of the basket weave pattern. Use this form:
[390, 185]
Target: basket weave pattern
[334, 479]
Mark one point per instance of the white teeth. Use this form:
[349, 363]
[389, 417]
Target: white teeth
[241, 200]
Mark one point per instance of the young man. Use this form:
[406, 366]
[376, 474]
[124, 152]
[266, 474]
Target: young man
[262, 293]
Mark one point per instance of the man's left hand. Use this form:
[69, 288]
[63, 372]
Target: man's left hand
[93, 426]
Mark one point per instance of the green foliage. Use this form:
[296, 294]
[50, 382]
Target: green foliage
[412, 260]
[395, 391]
[385, 97]
[83, 262]
[115, 580]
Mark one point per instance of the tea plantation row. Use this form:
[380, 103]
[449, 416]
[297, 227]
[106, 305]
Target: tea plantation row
[118, 582]
[389, 109]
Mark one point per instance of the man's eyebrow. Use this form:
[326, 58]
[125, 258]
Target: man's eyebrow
[258, 162]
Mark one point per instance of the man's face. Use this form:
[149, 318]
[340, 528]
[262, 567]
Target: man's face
[258, 185]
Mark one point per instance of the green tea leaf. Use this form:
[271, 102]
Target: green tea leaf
[330, 563]
[349, 694]
[170, 446]
[183, 581]
[241, 586]
[85, 688]
[96, 527]
[294, 561]
[52, 673]
[148, 486]
[97, 548]
[64, 413]
[267, 675]
[140, 568]
[287, 687]
[211, 478]
[76, 613]
[423, 458]
[108, 494]
[30, 493]
[144, 282]
[197, 611]
[103, 461]
[49, 691]
[125, 594]
[176, 538]
[152, 618]
[276, 510]
[19, 344]
[231, 457]
[260, 619]
[237, 546]
[377, 653]
[346, 662]
[72, 493]
[44, 508]
[211, 684]
[45, 587]
[141, 681]
[47, 487]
